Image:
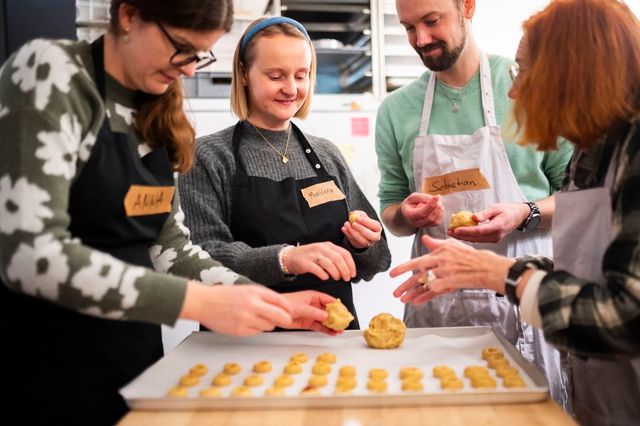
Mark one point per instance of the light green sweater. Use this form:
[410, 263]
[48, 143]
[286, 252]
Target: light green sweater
[398, 123]
[50, 114]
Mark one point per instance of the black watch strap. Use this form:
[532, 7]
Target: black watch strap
[533, 220]
[513, 279]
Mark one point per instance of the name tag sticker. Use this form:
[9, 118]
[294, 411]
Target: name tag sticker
[147, 200]
[322, 193]
[463, 180]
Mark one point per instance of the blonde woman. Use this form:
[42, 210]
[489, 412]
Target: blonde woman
[270, 201]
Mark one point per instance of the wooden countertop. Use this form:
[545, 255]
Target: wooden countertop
[544, 413]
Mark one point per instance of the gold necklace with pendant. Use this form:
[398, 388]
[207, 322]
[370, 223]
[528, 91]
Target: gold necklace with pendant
[283, 155]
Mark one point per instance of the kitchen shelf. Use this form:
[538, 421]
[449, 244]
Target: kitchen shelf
[348, 24]
[341, 57]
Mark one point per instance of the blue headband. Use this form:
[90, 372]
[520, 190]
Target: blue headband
[267, 23]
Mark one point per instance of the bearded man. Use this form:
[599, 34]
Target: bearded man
[440, 151]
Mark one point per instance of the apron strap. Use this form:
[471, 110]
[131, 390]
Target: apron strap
[311, 155]
[236, 139]
[97, 56]
[486, 89]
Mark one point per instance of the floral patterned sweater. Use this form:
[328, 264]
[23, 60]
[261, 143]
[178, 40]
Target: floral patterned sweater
[50, 114]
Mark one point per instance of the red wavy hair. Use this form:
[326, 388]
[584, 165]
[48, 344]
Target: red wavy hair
[584, 72]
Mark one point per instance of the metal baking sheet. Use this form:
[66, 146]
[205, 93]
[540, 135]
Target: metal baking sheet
[456, 347]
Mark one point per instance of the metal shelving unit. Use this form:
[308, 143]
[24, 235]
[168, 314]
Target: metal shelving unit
[345, 66]
[360, 45]
[399, 63]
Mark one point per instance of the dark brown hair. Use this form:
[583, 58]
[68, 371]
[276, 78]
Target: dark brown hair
[583, 74]
[161, 121]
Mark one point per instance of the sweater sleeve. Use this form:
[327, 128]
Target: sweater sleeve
[555, 164]
[50, 114]
[205, 193]
[174, 253]
[394, 183]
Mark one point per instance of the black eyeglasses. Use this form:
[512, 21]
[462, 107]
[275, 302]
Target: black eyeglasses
[183, 57]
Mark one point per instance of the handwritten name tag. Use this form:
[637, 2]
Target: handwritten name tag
[463, 180]
[322, 193]
[147, 200]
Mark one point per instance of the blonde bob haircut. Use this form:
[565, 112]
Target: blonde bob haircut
[242, 62]
[584, 72]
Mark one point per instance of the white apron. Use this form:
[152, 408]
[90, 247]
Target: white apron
[606, 392]
[435, 155]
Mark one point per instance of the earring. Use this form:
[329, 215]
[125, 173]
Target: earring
[125, 37]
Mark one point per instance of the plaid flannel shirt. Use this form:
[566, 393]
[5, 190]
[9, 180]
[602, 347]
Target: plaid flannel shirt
[586, 318]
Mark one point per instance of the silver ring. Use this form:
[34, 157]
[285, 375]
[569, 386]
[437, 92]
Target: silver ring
[426, 279]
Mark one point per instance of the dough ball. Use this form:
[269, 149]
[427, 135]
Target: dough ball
[210, 392]
[232, 368]
[353, 216]
[339, 316]
[347, 371]
[262, 367]
[199, 370]
[178, 392]
[292, 368]
[274, 391]
[300, 357]
[513, 381]
[460, 219]
[327, 357]
[451, 383]
[491, 352]
[221, 380]
[385, 332]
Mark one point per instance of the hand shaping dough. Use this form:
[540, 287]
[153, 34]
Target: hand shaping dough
[385, 332]
[339, 317]
[460, 219]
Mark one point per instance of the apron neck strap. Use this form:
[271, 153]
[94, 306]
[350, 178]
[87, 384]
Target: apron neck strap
[97, 57]
[486, 89]
[310, 154]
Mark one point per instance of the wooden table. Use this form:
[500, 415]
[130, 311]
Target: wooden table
[543, 414]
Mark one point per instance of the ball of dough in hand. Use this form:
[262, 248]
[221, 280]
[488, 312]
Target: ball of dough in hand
[353, 216]
[385, 332]
[339, 316]
[460, 219]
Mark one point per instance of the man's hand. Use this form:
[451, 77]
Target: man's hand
[494, 223]
[422, 210]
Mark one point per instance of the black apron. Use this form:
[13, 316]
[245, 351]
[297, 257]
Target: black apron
[265, 212]
[65, 367]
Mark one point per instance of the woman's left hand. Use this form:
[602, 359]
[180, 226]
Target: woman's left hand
[362, 232]
[453, 266]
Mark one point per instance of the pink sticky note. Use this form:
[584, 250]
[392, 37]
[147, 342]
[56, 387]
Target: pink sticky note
[360, 126]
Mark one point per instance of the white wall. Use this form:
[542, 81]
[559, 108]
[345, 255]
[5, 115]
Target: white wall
[497, 24]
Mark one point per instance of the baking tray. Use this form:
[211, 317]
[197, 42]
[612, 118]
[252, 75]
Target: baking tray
[456, 347]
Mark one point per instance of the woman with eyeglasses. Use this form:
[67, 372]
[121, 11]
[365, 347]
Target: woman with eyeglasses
[579, 78]
[271, 201]
[93, 252]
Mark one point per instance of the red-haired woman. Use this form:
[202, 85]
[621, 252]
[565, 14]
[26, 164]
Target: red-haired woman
[579, 78]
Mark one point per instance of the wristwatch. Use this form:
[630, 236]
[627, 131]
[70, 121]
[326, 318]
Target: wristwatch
[512, 280]
[533, 220]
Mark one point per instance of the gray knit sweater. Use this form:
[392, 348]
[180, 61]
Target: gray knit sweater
[206, 198]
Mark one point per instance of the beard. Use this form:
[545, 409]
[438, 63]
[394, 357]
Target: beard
[447, 58]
